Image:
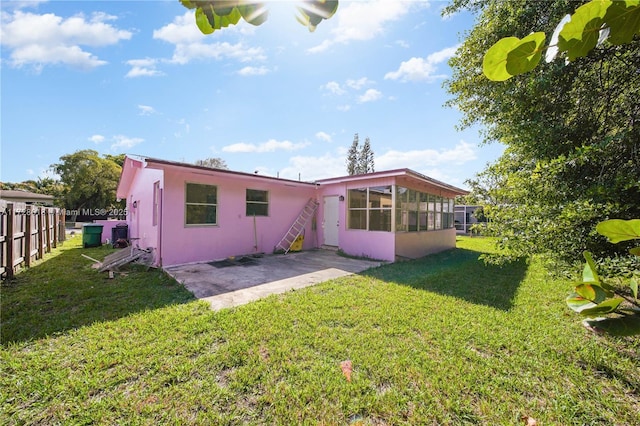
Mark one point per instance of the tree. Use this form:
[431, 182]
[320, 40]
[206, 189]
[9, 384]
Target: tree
[571, 132]
[90, 181]
[213, 163]
[360, 160]
[479, 214]
[365, 159]
[352, 156]
[117, 158]
[212, 15]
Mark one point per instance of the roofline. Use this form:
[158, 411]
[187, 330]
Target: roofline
[157, 161]
[394, 173]
[16, 193]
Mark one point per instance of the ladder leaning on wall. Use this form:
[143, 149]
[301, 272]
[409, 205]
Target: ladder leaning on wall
[298, 226]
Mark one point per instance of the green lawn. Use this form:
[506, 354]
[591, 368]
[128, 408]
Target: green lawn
[441, 340]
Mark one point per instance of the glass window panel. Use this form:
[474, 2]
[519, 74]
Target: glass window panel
[431, 221]
[199, 193]
[380, 196]
[424, 202]
[422, 216]
[380, 220]
[257, 209]
[413, 221]
[438, 220]
[198, 214]
[257, 195]
[401, 220]
[357, 219]
[358, 198]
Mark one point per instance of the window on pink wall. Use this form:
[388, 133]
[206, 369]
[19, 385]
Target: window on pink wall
[201, 204]
[257, 202]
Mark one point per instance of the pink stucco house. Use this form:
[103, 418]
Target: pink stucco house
[189, 213]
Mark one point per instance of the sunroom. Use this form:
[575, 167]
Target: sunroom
[393, 215]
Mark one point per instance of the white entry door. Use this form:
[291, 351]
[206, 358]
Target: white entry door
[331, 224]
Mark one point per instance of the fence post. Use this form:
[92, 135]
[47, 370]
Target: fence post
[62, 231]
[40, 235]
[47, 233]
[27, 236]
[10, 216]
[54, 228]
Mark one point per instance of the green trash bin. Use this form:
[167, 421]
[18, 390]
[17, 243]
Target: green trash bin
[91, 235]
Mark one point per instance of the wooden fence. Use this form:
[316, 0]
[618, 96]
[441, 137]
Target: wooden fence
[27, 233]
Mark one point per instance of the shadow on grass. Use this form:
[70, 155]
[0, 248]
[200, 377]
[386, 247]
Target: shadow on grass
[458, 273]
[64, 292]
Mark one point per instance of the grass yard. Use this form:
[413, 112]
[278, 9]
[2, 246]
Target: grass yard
[444, 340]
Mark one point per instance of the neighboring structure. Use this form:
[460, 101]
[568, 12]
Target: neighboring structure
[465, 218]
[16, 196]
[191, 214]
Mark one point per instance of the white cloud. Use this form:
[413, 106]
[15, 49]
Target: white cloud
[402, 44]
[343, 108]
[314, 168]
[248, 71]
[324, 136]
[146, 110]
[97, 139]
[30, 172]
[122, 142]
[48, 39]
[359, 83]
[191, 44]
[420, 69]
[143, 68]
[183, 29]
[334, 88]
[370, 95]
[365, 20]
[419, 160]
[270, 146]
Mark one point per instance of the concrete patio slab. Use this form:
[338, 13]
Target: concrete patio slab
[226, 284]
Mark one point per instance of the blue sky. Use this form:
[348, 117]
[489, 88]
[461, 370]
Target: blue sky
[139, 78]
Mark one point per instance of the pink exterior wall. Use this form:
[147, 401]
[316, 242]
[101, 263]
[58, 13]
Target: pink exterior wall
[234, 234]
[237, 234]
[356, 242]
[107, 226]
[142, 232]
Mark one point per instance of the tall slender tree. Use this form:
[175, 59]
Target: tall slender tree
[365, 158]
[352, 156]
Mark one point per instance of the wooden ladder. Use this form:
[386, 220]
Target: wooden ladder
[298, 226]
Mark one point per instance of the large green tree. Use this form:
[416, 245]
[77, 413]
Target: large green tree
[90, 181]
[571, 131]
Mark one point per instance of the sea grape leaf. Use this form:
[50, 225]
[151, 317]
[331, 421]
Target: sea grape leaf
[589, 274]
[617, 230]
[623, 19]
[592, 292]
[580, 35]
[602, 308]
[526, 55]
[494, 64]
[578, 303]
[202, 21]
